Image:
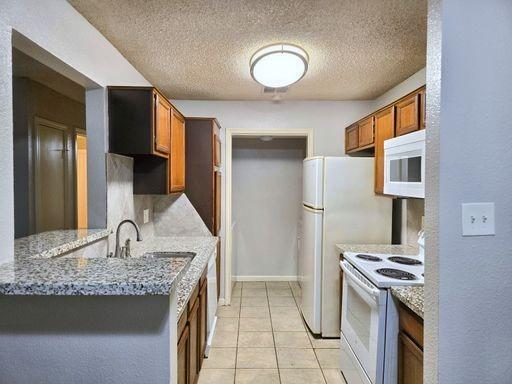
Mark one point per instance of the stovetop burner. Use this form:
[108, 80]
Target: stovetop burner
[396, 274]
[368, 257]
[404, 260]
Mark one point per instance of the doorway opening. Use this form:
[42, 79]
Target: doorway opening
[50, 148]
[263, 204]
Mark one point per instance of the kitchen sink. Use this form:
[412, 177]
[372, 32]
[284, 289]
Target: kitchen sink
[169, 255]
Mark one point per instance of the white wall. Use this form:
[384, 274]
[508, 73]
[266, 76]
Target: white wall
[267, 197]
[474, 127]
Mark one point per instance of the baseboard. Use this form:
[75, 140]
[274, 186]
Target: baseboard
[265, 278]
[222, 301]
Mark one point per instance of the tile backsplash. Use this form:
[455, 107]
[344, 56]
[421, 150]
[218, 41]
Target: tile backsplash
[169, 215]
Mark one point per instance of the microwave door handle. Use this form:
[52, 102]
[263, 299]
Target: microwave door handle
[373, 292]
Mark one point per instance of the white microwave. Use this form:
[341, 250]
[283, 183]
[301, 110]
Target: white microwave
[404, 165]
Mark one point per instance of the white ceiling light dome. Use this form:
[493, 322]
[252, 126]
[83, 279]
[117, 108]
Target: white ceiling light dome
[279, 65]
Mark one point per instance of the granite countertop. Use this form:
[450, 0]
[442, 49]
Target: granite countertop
[203, 246]
[411, 296]
[74, 276]
[54, 243]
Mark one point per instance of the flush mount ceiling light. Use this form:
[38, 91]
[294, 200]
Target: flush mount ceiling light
[279, 65]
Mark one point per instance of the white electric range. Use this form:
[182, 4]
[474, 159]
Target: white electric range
[369, 316]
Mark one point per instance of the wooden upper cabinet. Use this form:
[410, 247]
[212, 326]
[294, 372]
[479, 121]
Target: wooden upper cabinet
[216, 145]
[162, 124]
[384, 129]
[177, 156]
[351, 138]
[423, 109]
[408, 115]
[366, 133]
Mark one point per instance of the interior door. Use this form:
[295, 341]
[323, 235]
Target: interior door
[311, 267]
[52, 176]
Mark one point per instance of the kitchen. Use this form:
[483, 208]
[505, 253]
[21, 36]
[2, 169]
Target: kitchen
[84, 299]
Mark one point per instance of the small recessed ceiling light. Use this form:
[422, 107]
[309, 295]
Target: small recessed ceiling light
[279, 65]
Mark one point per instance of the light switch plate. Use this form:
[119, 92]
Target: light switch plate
[478, 219]
[146, 216]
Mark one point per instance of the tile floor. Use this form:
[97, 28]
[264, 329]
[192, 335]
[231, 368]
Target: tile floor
[261, 339]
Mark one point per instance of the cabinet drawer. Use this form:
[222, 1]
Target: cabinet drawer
[366, 133]
[407, 115]
[351, 138]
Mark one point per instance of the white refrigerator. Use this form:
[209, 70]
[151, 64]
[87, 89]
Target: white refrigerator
[339, 206]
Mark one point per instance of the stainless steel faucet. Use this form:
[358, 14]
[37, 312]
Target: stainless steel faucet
[124, 252]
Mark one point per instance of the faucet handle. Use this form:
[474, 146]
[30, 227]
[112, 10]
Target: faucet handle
[126, 248]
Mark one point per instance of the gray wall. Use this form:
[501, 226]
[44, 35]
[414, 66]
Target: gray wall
[6, 150]
[474, 128]
[267, 201]
[33, 100]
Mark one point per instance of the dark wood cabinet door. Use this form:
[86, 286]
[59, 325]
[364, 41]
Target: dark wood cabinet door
[351, 138]
[162, 125]
[366, 134]
[410, 361]
[407, 115]
[384, 129]
[183, 352]
[216, 146]
[203, 320]
[193, 324]
[217, 202]
[177, 156]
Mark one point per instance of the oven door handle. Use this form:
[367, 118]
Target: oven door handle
[373, 292]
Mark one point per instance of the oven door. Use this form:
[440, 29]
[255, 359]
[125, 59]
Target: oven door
[363, 324]
[404, 165]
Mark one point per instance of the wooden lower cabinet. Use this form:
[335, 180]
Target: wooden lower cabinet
[410, 347]
[192, 334]
[410, 361]
[183, 352]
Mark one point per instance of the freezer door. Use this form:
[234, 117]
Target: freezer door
[311, 267]
[312, 189]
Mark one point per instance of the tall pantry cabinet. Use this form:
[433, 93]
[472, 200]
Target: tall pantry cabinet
[203, 177]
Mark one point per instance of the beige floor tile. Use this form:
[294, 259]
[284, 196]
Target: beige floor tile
[294, 285]
[253, 284]
[277, 284]
[292, 340]
[228, 311]
[287, 324]
[235, 301]
[220, 358]
[256, 358]
[216, 376]
[282, 302]
[296, 358]
[227, 324]
[301, 376]
[254, 292]
[279, 292]
[255, 339]
[259, 312]
[328, 358]
[333, 376]
[285, 311]
[236, 285]
[255, 324]
[236, 292]
[254, 302]
[257, 376]
[324, 343]
[297, 293]
[223, 339]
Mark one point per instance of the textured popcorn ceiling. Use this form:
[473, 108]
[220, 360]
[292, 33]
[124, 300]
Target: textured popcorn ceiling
[194, 49]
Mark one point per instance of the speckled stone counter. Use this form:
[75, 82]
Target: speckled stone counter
[72, 276]
[54, 243]
[204, 247]
[411, 296]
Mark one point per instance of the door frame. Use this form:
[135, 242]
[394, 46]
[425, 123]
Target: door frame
[231, 133]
